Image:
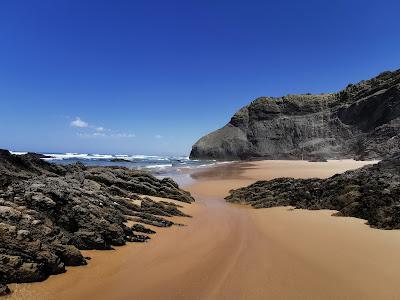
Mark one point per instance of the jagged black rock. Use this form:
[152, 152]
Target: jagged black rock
[371, 193]
[49, 212]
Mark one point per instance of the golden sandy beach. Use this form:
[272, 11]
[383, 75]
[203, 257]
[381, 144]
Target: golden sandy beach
[229, 251]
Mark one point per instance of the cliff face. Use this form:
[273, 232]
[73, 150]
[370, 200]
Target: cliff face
[362, 121]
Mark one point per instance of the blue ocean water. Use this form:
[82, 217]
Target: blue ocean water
[177, 167]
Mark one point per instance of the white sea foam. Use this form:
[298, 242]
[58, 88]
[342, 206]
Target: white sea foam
[166, 164]
[158, 166]
[101, 156]
[141, 156]
[18, 152]
[57, 156]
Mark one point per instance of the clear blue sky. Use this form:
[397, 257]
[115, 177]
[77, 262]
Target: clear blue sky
[153, 76]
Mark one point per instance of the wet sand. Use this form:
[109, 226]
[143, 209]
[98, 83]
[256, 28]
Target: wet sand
[229, 251]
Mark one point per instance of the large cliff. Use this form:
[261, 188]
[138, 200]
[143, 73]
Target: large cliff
[362, 122]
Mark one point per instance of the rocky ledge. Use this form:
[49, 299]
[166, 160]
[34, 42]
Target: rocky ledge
[362, 122]
[371, 193]
[48, 213]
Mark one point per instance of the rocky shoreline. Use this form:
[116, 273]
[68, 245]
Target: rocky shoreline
[49, 212]
[371, 193]
[360, 122]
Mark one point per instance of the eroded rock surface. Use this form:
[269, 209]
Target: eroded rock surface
[362, 122]
[49, 212]
[371, 193]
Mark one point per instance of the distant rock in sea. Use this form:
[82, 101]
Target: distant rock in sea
[119, 160]
[49, 212]
[371, 193]
[37, 155]
[362, 122]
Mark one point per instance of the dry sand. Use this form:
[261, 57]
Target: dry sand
[235, 252]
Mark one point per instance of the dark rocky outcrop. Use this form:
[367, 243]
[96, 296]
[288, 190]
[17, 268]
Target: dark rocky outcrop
[141, 228]
[362, 121]
[4, 290]
[371, 193]
[120, 160]
[49, 212]
[37, 155]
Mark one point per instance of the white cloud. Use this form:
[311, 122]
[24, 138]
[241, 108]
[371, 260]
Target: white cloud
[104, 135]
[158, 136]
[99, 134]
[79, 123]
[92, 131]
[123, 135]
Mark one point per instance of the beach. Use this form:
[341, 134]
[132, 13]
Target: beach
[231, 251]
[199, 150]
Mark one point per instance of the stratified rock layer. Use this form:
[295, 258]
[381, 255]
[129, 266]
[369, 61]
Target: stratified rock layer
[49, 212]
[362, 122]
[371, 193]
